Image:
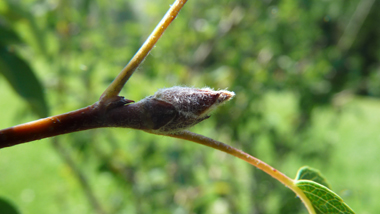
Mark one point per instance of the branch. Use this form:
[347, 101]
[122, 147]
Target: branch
[167, 111]
[94, 116]
[81, 119]
[288, 182]
[115, 87]
[116, 114]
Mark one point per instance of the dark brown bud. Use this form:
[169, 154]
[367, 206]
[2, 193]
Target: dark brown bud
[177, 108]
[169, 110]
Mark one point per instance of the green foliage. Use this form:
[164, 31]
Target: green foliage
[23, 80]
[301, 99]
[19, 74]
[7, 208]
[308, 173]
[316, 188]
[323, 199]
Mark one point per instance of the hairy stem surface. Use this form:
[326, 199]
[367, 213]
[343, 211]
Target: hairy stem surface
[288, 182]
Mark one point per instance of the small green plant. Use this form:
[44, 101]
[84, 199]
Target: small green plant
[169, 112]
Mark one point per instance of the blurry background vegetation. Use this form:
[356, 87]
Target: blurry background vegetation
[306, 74]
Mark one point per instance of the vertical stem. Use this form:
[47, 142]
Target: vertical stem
[288, 182]
[115, 87]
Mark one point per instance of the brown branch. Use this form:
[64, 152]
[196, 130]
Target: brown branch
[168, 111]
[82, 119]
[90, 117]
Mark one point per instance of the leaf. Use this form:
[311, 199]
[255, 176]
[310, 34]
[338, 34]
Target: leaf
[316, 188]
[23, 80]
[22, 19]
[8, 36]
[308, 173]
[323, 199]
[7, 207]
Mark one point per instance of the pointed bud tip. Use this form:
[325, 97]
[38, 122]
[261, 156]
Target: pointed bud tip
[225, 95]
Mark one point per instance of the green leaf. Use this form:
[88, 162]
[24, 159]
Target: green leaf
[308, 173]
[15, 15]
[23, 80]
[8, 36]
[7, 207]
[323, 199]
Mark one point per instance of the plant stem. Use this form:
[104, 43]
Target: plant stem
[116, 114]
[81, 119]
[115, 87]
[288, 182]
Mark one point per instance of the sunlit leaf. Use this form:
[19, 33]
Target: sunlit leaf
[323, 200]
[308, 173]
[23, 80]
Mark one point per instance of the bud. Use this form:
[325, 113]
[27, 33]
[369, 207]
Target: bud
[177, 108]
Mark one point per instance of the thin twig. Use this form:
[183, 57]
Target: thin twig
[115, 87]
[288, 182]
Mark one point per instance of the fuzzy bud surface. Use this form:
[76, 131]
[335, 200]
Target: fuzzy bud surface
[188, 106]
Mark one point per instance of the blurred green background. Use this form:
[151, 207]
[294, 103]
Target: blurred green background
[306, 74]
